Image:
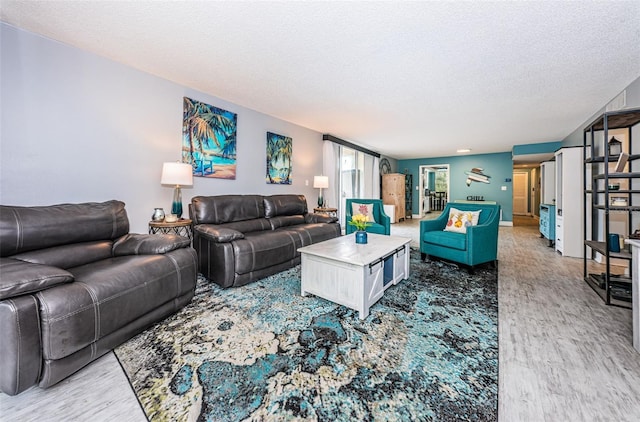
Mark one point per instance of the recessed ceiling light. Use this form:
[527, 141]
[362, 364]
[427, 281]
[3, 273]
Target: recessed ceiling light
[461, 150]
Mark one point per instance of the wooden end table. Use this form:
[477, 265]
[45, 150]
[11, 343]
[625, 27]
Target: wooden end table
[180, 227]
[331, 212]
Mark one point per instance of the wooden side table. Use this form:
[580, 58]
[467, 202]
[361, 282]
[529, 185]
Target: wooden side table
[181, 227]
[331, 212]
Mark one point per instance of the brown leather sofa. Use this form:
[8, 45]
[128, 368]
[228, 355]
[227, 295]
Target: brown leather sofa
[242, 238]
[74, 284]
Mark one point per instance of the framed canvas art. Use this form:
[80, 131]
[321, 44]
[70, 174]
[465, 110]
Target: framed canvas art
[209, 139]
[278, 159]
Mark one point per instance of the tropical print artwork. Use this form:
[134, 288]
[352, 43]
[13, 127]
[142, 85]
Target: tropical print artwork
[278, 159]
[209, 139]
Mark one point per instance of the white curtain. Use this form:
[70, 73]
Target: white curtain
[369, 181]
[331, 168]
[371, 177]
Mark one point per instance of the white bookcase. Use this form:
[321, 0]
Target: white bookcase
[548, 182]
[569, 200]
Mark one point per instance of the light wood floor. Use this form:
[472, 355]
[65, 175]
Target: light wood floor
[564, 355]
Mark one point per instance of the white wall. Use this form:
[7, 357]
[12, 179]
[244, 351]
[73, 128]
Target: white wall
[77, 127]
[633, 101]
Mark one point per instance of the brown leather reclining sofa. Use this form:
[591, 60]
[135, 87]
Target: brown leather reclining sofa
[242, 238]
[74, 285]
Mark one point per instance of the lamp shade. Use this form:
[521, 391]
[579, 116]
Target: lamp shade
[177, 174]
[321, 182]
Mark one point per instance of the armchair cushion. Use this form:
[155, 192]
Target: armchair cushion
[147, 244]
[459, 220]
[19, 277]
[446, 239]
[364, 209]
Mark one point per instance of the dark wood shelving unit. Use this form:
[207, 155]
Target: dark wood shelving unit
[408, 196]
[614, 289]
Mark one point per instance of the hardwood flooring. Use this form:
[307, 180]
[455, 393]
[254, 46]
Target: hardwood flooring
[564, 355]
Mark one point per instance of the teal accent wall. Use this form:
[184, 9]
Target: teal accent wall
[537, 148]
[498, 165]
[431, 182]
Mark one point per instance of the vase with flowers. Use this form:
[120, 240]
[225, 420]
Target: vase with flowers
[360, 222]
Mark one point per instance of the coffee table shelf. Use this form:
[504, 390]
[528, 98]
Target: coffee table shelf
[354, 275]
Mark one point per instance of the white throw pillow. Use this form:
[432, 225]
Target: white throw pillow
[459, 220]
[366, 209]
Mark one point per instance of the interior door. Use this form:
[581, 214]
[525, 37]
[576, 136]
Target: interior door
[520, 193]
[432, 178]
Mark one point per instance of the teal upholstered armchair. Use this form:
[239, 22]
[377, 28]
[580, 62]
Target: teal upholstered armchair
[477, 246]
[382, 223]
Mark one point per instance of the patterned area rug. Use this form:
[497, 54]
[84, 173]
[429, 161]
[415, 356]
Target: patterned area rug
[428, 351]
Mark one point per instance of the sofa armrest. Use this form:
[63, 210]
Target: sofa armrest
[319, 218]
[21, 347]
[148, 244]
[20, 277]
[218, 234]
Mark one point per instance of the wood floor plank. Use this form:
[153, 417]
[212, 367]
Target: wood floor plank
[98, 392]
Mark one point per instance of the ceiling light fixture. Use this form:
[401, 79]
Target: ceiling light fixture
[462, 150]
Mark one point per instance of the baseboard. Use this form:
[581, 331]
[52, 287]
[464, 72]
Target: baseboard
[506, 223]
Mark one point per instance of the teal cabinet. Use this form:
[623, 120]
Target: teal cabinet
[548, 222]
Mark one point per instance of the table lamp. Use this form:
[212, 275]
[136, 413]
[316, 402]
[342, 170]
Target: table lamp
[177, 174]
[320, 182]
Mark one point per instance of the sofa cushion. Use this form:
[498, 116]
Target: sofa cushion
[28, 228]
[313, 233]
[364, 209]
[263, 249]
[246, 226]
[446, 239]
[286, 220]
[19, 277]
[319, 218]
[275, 205]
[149, 244]
[459, 220]
[106, 296]
[216, 233]
[69, 256]
[226, 208]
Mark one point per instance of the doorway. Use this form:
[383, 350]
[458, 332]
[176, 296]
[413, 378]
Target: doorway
[520, 193]
[434, 188]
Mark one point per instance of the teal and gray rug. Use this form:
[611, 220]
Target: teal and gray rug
[427, 352]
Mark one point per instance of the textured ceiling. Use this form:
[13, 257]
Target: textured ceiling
[407, 79]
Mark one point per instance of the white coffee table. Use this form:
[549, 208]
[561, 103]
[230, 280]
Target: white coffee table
[351, 274]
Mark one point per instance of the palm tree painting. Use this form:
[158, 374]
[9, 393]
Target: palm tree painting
[209, 139]
[278, 159]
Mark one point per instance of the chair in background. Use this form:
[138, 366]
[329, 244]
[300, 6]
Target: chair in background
[477, 246]
[382, 223]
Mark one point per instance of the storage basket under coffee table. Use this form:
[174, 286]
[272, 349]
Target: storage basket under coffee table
[354, 275]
